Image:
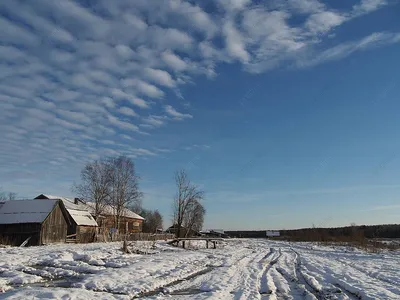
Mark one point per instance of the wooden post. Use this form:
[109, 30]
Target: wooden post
[215, 245]
[183, 244]
[207, 244]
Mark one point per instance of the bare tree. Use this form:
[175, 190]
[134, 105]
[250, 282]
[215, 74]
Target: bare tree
[194, 218]
[95, 184]
[186, 195]
[124, 187]
[7, 196]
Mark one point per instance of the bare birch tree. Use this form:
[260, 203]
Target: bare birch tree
[124, 187]
[95, 185]
[7, 196]
[194, 218]
[186, 195]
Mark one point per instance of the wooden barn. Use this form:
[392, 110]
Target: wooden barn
[82, 227]
[42, 221]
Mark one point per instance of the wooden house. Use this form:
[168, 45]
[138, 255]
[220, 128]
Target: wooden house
[82, 227]
[40, 221]
[129, 222]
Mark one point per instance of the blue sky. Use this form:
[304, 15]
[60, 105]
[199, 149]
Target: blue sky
[284, 112]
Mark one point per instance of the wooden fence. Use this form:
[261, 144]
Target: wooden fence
[140, 236]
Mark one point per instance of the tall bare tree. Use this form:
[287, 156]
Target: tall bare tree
[95, 184]
[124, 186]
[7, 196]
[194, 219]
[186, 195]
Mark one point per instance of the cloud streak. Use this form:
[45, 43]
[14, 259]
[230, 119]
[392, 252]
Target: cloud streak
[73, 75]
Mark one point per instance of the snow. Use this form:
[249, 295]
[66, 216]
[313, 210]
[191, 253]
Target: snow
[237, 269]
[25, 211]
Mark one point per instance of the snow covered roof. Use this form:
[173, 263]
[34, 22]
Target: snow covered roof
[68, 202]
[108, 210]
[82, 217]
[88, 207]
[25, 211]
[79, 213]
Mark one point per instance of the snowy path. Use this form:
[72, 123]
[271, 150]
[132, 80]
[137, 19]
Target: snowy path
[238, 269]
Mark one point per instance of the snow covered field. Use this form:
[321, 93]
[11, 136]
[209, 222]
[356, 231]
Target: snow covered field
[238, 269]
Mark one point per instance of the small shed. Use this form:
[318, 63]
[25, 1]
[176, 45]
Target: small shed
[82, 228]
[42, 221]
[184, 232]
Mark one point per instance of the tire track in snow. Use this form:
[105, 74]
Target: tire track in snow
[311, 284]
[388, 281]
[322, 254]
[296, 287]
[265, 288]
[348, 281]
[237, 279]
[193, 284]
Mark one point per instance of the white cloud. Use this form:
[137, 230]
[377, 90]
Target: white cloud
[119, 94]
[174, 61]
[160, 77]
[144, 88]
[133, 20]
[108, 102]
[306, 6]
[139, 102]
[153, 121]
[73, 116]
[234, 4]
[175, 114]
[141, 151]
[322, 22]
[127, 111]
[124, 51]
[122, 124]
[366, 6]
[345, 49]
[127, 137]
[170, 38]
[15, 35]
[234, 43]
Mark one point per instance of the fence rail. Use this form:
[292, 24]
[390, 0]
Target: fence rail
[140, 236]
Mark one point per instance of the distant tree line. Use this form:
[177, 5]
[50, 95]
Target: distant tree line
[343, 233]
[348, 233]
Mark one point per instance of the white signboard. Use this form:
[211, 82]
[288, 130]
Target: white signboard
[273, 233]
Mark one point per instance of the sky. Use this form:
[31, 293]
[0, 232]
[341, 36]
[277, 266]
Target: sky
[286, 113]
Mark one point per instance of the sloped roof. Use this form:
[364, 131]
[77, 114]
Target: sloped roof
[108, 210]
[82, 217]
[25, 211]
[68, 202]
[89, 206]
[79, 213]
